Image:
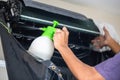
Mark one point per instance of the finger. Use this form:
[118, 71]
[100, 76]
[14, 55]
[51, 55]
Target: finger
[96, 46]
[65, 30]
[57, 36]
[66, 34]
[97, 38]
[92, 41]
[106, 31]
[58, 30]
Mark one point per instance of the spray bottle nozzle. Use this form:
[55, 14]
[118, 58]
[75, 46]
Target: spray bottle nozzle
[55, 23]
[49, 31]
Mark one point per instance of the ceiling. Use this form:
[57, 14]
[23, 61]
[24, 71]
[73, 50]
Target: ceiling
[105, 5]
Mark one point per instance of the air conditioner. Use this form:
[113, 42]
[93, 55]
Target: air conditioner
[25, 17]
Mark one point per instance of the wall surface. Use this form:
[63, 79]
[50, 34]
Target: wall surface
[3, 71]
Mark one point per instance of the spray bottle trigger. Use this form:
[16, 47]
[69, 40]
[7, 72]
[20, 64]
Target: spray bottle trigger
[43, 29]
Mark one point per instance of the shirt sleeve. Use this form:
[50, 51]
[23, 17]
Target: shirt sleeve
[110, 69]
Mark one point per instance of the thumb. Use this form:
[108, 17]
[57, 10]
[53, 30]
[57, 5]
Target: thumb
[106, 31]
[66, 34]
[66, 31]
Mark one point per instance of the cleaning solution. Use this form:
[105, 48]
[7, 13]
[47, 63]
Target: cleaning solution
[42, 48]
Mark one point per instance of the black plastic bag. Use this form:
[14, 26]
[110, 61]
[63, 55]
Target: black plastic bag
[20, 65]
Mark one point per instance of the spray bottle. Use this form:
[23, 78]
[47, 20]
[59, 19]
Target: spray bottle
[42, 48]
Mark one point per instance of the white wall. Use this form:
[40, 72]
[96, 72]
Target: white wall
[3, 73]
[89, 11]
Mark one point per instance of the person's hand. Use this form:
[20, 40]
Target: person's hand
[102, 40]
[61, 38]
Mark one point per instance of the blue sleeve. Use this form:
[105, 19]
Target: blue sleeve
[110, 69]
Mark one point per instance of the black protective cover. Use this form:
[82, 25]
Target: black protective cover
[20, 65]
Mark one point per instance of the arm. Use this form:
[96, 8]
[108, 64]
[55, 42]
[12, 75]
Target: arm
[114, 46]
[80, 70]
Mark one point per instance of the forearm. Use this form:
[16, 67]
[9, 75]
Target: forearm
[114, 46]
[80, 70]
